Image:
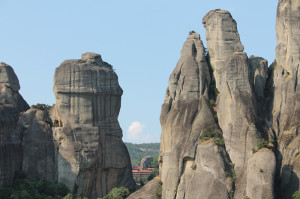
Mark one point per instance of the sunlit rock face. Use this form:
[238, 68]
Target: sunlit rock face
[11, 105]
[189, 167]
[286, 106]
[91, 153]
[240, 86]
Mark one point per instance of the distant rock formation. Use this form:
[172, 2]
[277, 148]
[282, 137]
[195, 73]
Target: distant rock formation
[87, 133]
[11, 105]
[145, 161]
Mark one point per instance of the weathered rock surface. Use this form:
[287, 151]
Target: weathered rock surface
[261, 174]
[238, 82]
[222, 40]
[186, 112]
[39, 154]
[145, 161]
[11, 105]
[286, 109]
[91, 153]
[148, 191]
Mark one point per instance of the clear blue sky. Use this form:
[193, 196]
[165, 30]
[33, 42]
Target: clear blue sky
[141, 39]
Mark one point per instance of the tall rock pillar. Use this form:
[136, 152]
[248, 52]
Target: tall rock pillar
[91, 154]
[286, 108]
[11, 105]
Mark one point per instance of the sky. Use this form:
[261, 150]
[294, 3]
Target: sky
[141, 39]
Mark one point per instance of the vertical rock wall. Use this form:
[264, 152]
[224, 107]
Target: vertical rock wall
[190, 167]
[11, 105]
[88, 137]
[286, 109]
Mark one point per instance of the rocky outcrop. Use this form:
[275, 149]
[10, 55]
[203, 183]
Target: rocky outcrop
[11, 105]
[87, 133]
[148, 191]
[238, 81]
[145, 161]
[186, 114]
[39, 154]
[286, 109]
[222, 40]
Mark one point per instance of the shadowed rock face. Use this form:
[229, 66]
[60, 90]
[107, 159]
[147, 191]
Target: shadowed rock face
[39, 154]
[88, 137]
[286, 109]
[186, 112]
[11, 104]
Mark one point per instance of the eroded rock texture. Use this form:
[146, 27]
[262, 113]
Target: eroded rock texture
[286, 109]
[91, 153]
[188, 166]
[238, 82]
[11, 105]
[227, 95]
[39, 154]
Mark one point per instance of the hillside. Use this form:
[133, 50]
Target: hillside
[137, 151]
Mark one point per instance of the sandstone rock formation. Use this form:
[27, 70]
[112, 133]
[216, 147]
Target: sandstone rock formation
[236, 86]
[286, 109]
[11, 105]
[88, 136]
[186, 113]
[39, 154]
[148, 191]
[145, 161]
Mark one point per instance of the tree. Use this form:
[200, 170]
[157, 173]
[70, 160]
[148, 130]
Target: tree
[117, 193]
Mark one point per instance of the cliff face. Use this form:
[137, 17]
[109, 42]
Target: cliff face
[11, 105]
[88, 137]
[286, 109]
[225, 93]
[78, 141]
[186, 113]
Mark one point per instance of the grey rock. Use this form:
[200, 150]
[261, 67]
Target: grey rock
[39, 153]
[145, 161]
[148, 191]
[87, 132]
[186, 112]
[286, 106]
[261, 174]
[236, 102]
[222, 40]
[11, 105]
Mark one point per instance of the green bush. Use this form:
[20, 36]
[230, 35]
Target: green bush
[32, 189]
[193, 166]
[158, 192]
[209, 134]
[117, 193]
[191, 32]
[296, 195]
[41, 106]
